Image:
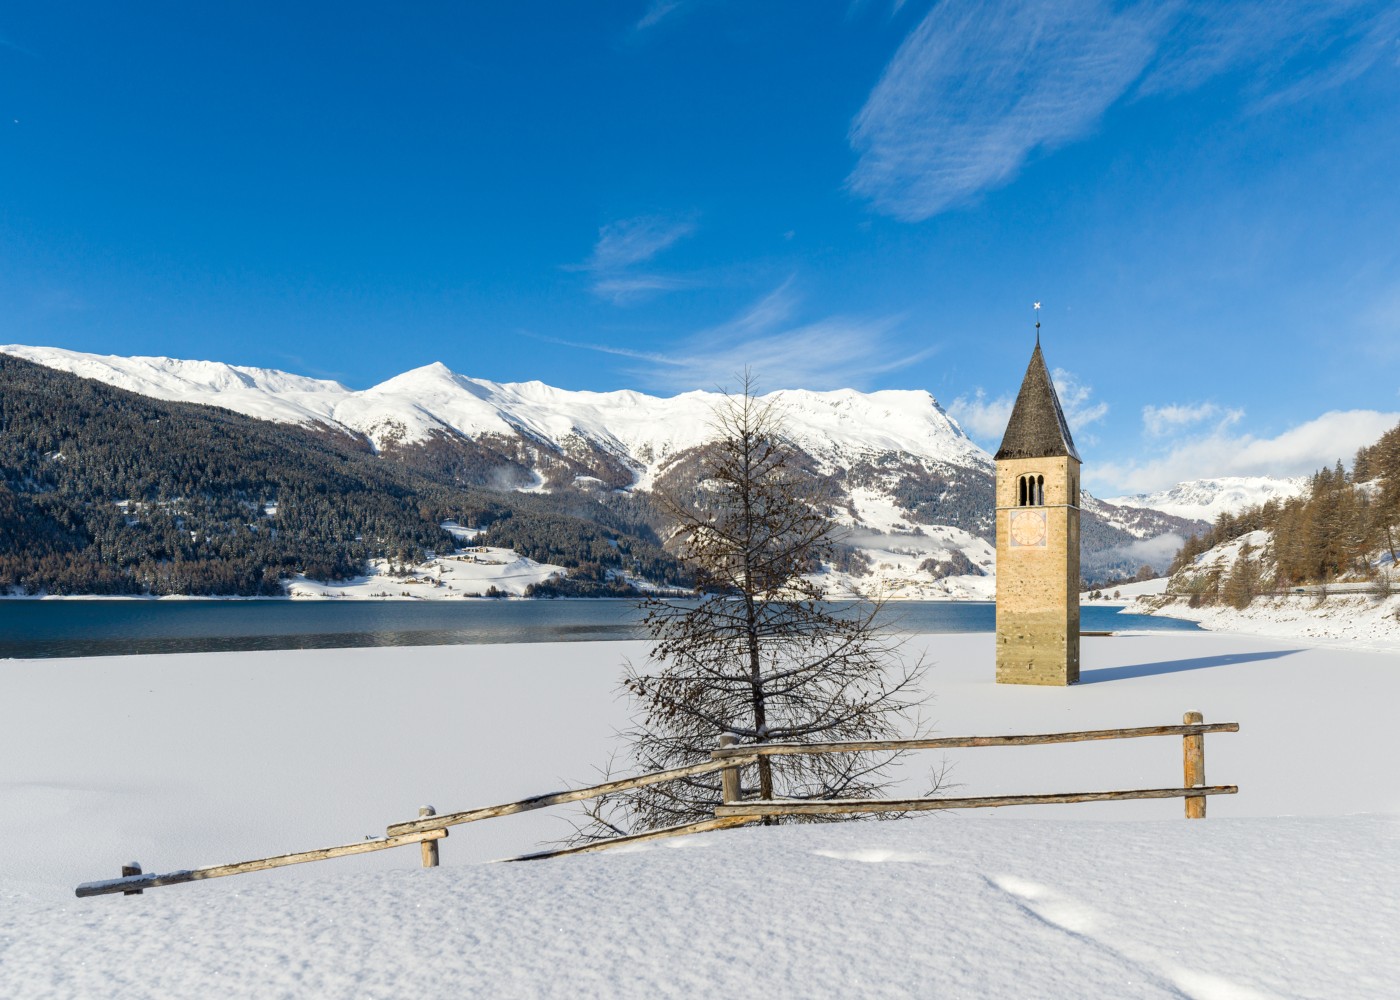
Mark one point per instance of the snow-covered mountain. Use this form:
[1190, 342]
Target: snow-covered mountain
[1206, 499]
[914, 490]
[415, 408]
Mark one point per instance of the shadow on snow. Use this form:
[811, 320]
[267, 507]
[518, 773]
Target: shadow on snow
[1176, 666]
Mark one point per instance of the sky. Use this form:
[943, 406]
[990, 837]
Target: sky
[656, 194]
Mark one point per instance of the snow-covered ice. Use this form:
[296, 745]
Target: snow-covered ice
[1290, 889]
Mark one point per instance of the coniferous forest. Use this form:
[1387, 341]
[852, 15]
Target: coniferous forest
[104, 491]
[1335, 530]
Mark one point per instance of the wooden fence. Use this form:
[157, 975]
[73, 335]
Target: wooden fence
[735, 810]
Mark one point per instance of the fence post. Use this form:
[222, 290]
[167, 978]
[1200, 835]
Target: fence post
[430, 847]
[133, 868]
[729, 777]
[1193, 758]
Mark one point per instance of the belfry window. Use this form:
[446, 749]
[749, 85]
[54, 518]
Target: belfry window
[1030, 491]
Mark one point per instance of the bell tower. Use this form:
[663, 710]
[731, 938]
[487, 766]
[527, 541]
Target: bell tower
[1037, 498]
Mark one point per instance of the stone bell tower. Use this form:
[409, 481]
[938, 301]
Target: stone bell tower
[1037, 537]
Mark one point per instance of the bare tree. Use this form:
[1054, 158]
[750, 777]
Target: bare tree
[761, 653]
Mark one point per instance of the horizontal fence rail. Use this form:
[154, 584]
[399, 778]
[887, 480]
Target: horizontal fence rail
[823, 807]
[135, 883]
[1193, 730]
[733, 809]
[958, 742]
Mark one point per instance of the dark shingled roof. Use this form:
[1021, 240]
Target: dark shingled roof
[1037, 427]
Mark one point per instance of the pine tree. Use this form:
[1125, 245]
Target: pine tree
[761, 654]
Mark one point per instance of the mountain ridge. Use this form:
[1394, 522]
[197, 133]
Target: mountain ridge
[911, 489]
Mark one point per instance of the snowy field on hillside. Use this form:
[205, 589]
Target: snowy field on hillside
[1120, 592]
[1290, 889]
[471, 572]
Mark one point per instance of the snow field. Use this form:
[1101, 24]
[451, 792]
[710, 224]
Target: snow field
[1126, 592]
[1288, 890]
[937, 907]
[1348, 621]
[468, 572]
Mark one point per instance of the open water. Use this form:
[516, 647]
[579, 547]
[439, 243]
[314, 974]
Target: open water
[122, 627]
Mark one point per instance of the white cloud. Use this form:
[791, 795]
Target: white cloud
[1076, 400]
[1161, 421]
[1299, 451]
[632, 241]
[626, 243]
[781, 349]
[1296, 50]
[625, 287]
[978, 87]
[1156, 552]
[985, 419]
[656, 11]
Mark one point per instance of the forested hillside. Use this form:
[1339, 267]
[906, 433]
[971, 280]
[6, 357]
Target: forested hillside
[1346, 526]
[104, 491]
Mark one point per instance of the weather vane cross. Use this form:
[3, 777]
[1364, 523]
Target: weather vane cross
[1037, 324]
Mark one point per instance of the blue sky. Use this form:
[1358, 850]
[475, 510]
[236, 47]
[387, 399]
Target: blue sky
[655, 193]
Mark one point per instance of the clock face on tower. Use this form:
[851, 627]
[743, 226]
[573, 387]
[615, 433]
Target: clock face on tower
[1028, 528]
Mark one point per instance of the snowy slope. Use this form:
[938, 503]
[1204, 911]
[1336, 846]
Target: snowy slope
[411, 407]
[256, 392]
[1206, 499]
[1357, 613]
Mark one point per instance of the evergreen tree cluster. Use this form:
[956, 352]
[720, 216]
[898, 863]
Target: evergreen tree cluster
[104, 491]
[1333, 531]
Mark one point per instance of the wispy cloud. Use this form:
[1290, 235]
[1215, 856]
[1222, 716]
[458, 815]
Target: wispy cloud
[985, 419]
[621, 288]
[8, 43]
[656, 12]
[783, 349]
[633, 241]
[1297, 451]
[1077, 400]
[1161, 421]
[857, 7]
[1294, 51]
[977, 88]
[626, 243]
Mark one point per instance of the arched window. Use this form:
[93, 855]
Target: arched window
[1030, 491]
